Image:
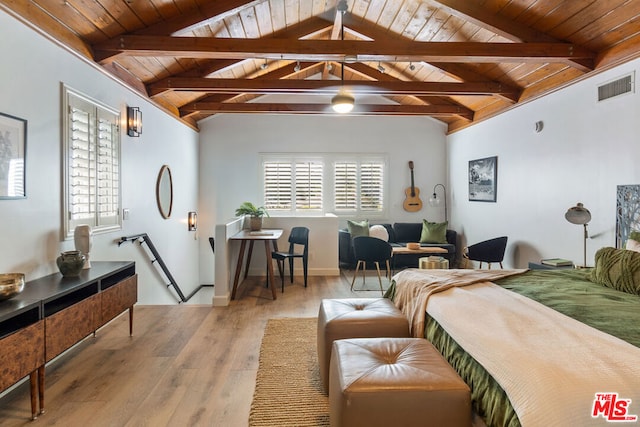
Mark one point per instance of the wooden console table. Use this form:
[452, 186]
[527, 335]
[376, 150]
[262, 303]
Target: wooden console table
[53, 313]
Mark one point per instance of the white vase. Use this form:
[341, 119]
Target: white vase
[83, 236]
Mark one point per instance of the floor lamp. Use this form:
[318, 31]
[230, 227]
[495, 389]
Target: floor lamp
[434, 201]
[580, 215]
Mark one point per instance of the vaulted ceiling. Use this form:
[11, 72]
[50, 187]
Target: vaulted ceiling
[459, 61]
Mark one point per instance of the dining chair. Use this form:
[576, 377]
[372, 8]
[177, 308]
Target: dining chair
[298, 236]
[369, 249]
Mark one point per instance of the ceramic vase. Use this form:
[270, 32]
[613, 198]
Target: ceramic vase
[70, 263]
[83, 238]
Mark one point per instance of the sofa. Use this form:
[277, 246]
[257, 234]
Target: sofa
[400, 233]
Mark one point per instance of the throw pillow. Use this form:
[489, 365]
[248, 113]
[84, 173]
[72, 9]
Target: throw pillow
[358, 228]
[618, 269]
[433, 232]
[633, 245]
[379, 231]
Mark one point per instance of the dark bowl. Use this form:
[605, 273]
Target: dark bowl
[11, 284]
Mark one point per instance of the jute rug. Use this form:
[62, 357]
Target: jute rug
[288, 387]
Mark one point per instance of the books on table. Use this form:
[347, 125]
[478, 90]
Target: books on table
[557, 262]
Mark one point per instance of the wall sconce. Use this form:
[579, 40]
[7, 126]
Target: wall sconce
[434, 201]
[192, 221]
[134, 121]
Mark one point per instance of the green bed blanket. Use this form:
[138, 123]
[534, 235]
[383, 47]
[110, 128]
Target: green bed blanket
[566, 291]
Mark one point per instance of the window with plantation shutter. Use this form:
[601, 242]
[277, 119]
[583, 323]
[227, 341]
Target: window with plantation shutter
[92, 164]
[344, 184]
[359, 186]
[278, 185]
[309, 186]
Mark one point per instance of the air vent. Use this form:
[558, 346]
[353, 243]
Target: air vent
[616, 88]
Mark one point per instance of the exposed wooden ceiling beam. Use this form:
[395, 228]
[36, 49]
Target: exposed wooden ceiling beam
[336, 50]
[359, 109]
[370, 73]
[203, 15]
[460, 72]
[507, 28]
[287, 86]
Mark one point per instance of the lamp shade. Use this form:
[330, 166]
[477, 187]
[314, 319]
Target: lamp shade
[578, 214]
[342, 103]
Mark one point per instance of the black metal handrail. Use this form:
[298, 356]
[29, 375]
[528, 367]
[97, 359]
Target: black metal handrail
[144, 238]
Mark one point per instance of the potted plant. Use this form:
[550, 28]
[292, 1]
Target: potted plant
[255, 214]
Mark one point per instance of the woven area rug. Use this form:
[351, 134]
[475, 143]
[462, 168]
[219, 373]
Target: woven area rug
[288, 387]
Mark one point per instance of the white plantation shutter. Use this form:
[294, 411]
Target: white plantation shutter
[278, 185]
[372, 186]
[308, 186]
[346, 186]
[92, 165]
[354, 184]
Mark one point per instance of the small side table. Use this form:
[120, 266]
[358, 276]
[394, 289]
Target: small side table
[539, 266]
[431, 262]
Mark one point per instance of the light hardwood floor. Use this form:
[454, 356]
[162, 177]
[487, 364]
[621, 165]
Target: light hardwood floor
[184, 366]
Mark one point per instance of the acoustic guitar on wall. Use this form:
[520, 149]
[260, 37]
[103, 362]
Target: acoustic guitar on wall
[412, 202]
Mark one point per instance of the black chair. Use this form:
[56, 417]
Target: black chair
[488, 251]
[298, 236]
[368, 249]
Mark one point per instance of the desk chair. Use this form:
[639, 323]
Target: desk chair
[371, 249]
[298, 236]
[488, 251]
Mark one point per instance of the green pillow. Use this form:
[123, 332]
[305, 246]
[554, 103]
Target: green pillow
[433, 232]
[358, 228]
[618, 269]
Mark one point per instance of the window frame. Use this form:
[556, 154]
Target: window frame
[105, 160]
[329, 161]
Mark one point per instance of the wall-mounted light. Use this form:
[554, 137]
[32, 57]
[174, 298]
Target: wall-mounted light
[134, 121]
[192, 221]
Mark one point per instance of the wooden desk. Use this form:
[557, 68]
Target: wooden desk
[265, 235]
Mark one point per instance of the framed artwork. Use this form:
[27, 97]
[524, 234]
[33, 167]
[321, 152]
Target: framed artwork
[483, 179]
[627, 212]
[13, 144]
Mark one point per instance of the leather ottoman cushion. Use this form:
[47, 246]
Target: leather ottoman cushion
[355, 318]
[395, 381]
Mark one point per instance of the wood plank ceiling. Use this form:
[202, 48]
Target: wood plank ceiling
[459, 61]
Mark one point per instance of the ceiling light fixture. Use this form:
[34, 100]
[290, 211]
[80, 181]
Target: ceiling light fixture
[381, 68]
[264, 66]
[342, 103]
[411, 66]
[297, 67]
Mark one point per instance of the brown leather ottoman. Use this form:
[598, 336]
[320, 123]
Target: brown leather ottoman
[395, 382]
[355, 318]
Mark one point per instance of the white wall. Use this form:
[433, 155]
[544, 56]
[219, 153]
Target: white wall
[230, 165]
[32, 71]
[584, 151]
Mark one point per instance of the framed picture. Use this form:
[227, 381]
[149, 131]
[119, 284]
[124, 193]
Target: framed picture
[483, 179]
[13, 144]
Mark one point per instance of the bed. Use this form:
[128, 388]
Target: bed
[604, 304]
